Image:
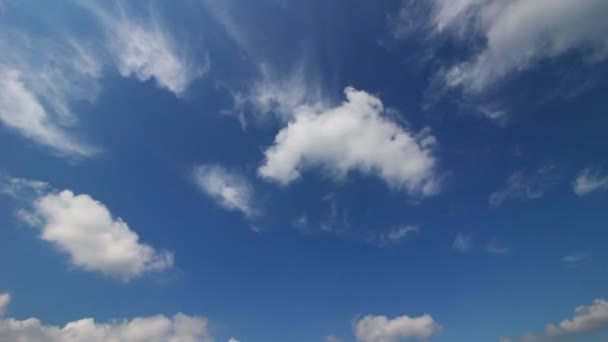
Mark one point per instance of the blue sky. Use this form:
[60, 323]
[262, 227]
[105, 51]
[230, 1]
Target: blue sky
[332, 171]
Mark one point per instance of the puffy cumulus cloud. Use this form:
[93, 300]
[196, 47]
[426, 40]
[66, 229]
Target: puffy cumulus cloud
[588, 181]
[144, 48]
[228, 189]
[525, 185]
[5, 299]
[179, 328]
[516, 34]
[382, 329]
[95, 241]
[588, 319]
[354, 136]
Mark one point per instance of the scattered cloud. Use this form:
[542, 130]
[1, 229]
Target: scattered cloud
[463, 243]
[576, 259]
[590, 180]
[5, 300]
[145, 49]
[382, 329]
[228, 189]
[232, 339]
[157, 328]
[354, 136]
[85, 230]
[525, 185]
[588, 319]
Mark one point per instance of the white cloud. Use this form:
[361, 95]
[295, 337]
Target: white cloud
[525, 185]
[228, 16]
[95, 241]
[22, 109]
[381, 329]
[5, 300]
[354, 136]
[517, 34]
[588, 319]
[144, 48]
[463, 243]
[43, 74]
[397, 235]
[590, 180]
[179, 328]
[275, 93]
[15, 187]
[576, 259]
[279, 96]
[229, 189]
[232, 339]
[41, 77]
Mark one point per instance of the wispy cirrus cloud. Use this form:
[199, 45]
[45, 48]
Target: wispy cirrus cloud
[278, 87]
[514, 35]
[278, 96]
[38, 90]
[526, 185]
[143, 47]
[499, 41]
[44, 74]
